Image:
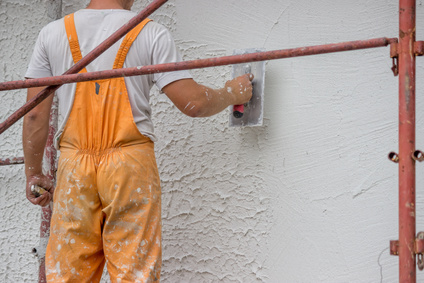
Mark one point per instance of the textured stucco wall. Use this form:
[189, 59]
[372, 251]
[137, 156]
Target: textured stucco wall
[308, 197]
[20, 22]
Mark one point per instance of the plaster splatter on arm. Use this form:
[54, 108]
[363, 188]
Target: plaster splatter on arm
[196, 100]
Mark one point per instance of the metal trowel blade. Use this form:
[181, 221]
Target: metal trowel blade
[253, 110]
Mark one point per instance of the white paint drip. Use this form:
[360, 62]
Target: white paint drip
[188, 104]
[57, 267]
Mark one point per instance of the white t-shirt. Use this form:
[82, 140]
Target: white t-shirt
[154, 45]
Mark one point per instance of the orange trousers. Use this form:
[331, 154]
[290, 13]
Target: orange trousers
[106, 206]
[107, 202]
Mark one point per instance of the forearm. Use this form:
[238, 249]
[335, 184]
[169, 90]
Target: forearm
[34, 137]
[196, 100]
[34, 134]
[208, 102]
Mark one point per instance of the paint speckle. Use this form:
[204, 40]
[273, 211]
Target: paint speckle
[57, 267]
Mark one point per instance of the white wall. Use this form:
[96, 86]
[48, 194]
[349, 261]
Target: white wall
[20, 22]
[308, 197]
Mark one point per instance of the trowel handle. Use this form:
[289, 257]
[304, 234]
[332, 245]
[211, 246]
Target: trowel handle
[37, 190]
[238, 110]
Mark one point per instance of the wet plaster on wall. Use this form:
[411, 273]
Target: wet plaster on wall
[214, 225]
[309, 197]
[215, 221]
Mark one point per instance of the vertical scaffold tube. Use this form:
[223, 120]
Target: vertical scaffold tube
[50, 156]
[407, 258]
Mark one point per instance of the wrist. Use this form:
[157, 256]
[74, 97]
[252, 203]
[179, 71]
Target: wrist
[229, 95]
[32, 171]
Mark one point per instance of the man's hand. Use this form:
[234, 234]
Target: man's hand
[41, 181]
[240, 88]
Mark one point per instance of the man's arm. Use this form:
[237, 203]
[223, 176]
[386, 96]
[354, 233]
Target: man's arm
[196, 100]
[34, 138]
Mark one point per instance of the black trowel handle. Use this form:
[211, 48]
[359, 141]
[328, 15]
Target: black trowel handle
[238, 110]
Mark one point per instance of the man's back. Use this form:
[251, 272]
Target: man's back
[154, 45]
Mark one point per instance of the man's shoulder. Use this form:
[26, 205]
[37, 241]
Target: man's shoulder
[53, 27]
[154, 29]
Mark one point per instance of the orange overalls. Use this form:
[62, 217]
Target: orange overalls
[107, 203]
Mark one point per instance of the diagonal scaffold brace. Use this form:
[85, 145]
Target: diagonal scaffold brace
[84, 62]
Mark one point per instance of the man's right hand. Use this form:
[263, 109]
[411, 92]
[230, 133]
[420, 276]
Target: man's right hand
[240, 88]
[41, 181]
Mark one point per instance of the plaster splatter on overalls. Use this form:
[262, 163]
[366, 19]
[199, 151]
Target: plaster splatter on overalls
[107, 203]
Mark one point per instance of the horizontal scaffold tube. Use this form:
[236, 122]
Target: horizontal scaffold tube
[197, 64]
[96, 52]
[186, 65]
[11, 161]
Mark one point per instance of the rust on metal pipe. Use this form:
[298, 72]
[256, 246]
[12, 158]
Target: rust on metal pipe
[394, 247]
[46, 214]
[419, 48]
[200, 63]
[394, 157]
[407, 257]
[83, 63]
[50, 155]
[11, 161]
[418, 155]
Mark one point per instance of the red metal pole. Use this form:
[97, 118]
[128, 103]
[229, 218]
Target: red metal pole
[12, 161]
[200, 63]
[407, 257]
[194, 64]
[83, 62]
[50, 155]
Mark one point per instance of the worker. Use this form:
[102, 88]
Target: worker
[107, 199]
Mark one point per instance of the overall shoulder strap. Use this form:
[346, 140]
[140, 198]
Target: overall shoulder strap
[72, 37]
[126, 44]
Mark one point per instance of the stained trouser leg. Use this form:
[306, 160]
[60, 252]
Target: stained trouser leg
[130, 191]
[74, 252]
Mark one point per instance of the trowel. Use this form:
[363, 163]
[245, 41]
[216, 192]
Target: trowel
[251, 113]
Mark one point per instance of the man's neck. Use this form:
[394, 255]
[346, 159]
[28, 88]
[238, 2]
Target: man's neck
[104, 4]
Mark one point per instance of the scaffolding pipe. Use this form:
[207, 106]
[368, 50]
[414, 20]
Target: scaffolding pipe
[186, 65]
[200, 63]
[11, 161]
[83, 62]
[406, 57]
[50, 155]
